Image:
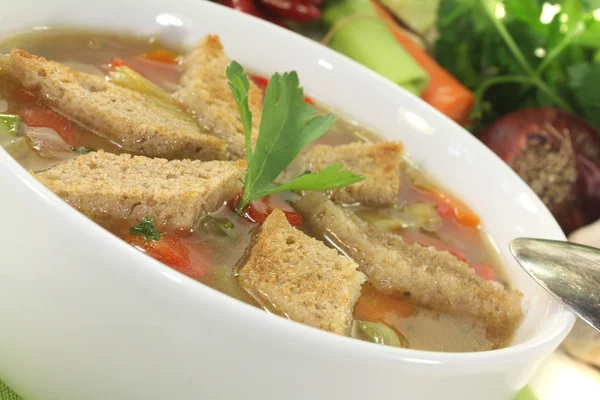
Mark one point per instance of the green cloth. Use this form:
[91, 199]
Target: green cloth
[7, 394]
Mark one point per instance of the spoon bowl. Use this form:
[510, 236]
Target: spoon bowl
[570, 272]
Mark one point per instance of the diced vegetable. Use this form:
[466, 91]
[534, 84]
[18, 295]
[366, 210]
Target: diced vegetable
[378, 333]
[373, 305]
[449, 206]
[82, 149]
[48, 143]
[9, 124]
[133, 80]
[170, 252]
[366, 39]
[485, 271]
[54, 149]
[414, 215]
[18, 148]
[167, 249]
[127, 77]
[260, 209]
[117, 62]
[42, 117]
[163, 56]
[217, 226]
[444, 92]
[146, 230]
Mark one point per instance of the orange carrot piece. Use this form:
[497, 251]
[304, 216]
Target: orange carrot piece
[448, 205]
[443, 92]
[164, 56]
[374, 306]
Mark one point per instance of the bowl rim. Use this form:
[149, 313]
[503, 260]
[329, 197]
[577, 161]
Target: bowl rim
[557, 327]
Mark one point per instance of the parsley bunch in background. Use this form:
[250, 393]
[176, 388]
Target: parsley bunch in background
[517, 54]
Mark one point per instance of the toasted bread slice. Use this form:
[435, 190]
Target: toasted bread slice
[435, 279]
[127, 118]
[299, 277]
[111, 188]
[204, 92]
[380, 163]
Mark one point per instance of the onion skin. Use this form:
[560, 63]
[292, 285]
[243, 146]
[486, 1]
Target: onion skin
[511, 135]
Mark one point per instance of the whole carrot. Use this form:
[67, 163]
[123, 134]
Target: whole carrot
[443, 91]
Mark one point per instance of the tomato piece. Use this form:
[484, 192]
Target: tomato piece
[162, 56]
[174, 250]
[262, 83]
[117, 62]
[171, 252]
[485, 271]
[23, 97]
[42, 117]
[260, 209]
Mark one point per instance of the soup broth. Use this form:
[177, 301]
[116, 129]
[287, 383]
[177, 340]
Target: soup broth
[424, 213]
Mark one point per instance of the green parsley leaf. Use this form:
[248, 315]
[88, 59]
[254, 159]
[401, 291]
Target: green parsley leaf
[288, 125]
[239, 85]
[147, 230]
[82, 149]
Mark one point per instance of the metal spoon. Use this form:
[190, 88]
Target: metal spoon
[570, 272]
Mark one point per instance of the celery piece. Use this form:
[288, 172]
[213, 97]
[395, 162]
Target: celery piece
[18, 148]
[414, 215]
[418, 15]
[366, 39]
[9, 123]
[130, 79]
[378, 333]
[217, 226]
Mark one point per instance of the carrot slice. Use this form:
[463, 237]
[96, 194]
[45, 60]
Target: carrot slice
[449, 206]
[444, 92]
[163, 56]
[374, 306]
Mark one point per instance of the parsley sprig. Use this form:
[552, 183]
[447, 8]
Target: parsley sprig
[288, 125]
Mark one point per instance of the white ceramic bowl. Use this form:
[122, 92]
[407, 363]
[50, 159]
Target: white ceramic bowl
[83, 316]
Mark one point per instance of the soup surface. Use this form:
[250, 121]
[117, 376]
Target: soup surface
[424, 213]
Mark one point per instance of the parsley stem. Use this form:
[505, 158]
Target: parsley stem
[510, 42]
[555, 52]
[488, 83]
